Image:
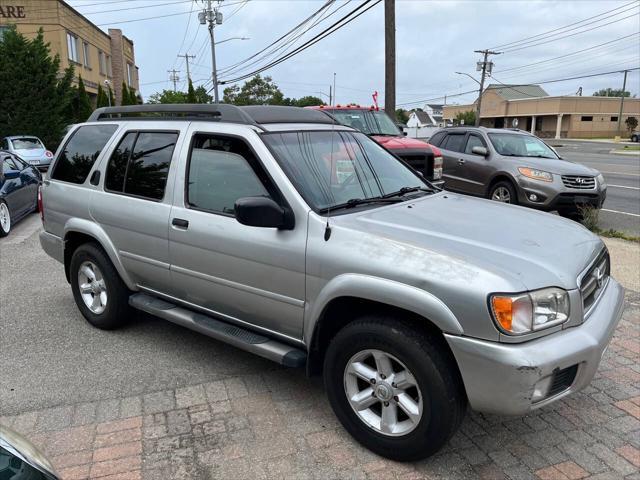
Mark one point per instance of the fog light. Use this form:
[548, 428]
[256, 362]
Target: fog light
[533, 197]
[541, 389]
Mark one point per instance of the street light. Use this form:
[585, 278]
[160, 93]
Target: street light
[107, 84]
[232, 38]
[462, 73]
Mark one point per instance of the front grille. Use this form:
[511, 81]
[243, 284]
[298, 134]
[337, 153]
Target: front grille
[420, 162]
[579, 182]
[562, 379]
[593, 282]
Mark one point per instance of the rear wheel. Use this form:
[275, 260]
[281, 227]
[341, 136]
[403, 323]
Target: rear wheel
[393, 387]
[5, 219]
[504, 192]
[98, 290]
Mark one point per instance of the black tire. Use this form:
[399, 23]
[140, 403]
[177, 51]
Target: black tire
[430, 363]
[117, 310]
[509, 187]
[5, 211]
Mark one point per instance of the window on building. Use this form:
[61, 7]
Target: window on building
[85, 53]
[221, 172]
[614, 119]
[130, 75]
[102, 62]
[586, 118]
[109, 67]
[72, 47]
[81, 151]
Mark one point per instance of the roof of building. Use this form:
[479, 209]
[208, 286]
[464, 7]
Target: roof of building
[513, 92]
[422, 116]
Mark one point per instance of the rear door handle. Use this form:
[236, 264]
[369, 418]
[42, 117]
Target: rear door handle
[461, 161]
[180, 222]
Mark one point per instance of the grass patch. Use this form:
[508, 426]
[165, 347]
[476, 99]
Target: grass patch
[589, 218]
[631, 147]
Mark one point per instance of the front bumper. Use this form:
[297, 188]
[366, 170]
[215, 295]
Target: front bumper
[555, 196]
[500, 378]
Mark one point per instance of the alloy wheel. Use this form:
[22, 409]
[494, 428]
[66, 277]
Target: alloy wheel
[93, 288]
[5, 217]
[501, 194]
[383, 392]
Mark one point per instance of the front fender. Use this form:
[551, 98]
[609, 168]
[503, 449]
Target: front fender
[384, 291]
[94, 230]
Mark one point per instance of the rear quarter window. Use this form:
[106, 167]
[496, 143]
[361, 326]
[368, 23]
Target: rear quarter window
[437, 138]
[80, 152]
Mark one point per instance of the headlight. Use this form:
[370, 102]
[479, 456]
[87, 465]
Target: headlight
[601, 181]
[536, 174]
[530, 312]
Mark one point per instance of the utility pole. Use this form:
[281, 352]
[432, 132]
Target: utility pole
[624, 87]
[173, 76]
[213, 17]
[330, 96]
[186, 59]
[485, 67]
[390, 57]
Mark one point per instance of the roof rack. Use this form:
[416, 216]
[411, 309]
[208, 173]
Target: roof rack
[263, 114]
[214, 112]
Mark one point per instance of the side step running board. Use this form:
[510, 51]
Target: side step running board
[225, 332]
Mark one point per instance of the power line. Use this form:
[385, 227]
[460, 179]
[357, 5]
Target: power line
[184, 37]
[505, 45]
[325, 33]
[438, 98]
[576, 78]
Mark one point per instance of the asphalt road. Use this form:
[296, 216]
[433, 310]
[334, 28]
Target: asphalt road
[621, 210]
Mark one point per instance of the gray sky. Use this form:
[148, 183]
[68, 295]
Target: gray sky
[434, 40]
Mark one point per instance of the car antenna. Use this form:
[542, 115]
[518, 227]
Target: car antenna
[327, 228]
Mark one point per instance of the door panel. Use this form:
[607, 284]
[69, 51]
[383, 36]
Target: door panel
[474, 170]
[451, 148]
[244, 274]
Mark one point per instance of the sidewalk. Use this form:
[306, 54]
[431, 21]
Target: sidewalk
[278, 424]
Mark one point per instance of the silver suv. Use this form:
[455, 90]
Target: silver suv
[513, 166]
[301, 240]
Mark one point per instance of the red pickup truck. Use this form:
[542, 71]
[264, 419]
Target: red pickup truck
[375, 122]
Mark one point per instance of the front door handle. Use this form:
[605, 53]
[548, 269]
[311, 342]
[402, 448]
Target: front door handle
[461, 161]
[180, 222]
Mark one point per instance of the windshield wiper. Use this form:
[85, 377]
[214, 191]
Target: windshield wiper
[405, 190]
[354, 202]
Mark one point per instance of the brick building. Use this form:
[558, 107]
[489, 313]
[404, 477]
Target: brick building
[100, 58]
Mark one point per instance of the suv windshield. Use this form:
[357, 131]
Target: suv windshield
[334, 169]
[26, 143]
[516, 145]
[371, 122]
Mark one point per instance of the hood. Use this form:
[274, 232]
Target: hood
[530, 249]
[557, 166]
[397, 143]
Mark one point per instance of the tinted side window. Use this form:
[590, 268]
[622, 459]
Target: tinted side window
[437, 138]
[473, 141]
[10, 163]
[454, 143]
[149, 164]
[221, 170]
[117, 168]
[81, 151]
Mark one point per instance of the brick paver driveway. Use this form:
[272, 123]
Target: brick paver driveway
[260, 421]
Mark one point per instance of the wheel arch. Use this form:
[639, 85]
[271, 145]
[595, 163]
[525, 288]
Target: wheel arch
[500, 177]
[78, 232]
[348, 297]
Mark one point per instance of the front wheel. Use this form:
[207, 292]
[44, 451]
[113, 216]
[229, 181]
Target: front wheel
[5, 219]
[504, 192]
[394, 388]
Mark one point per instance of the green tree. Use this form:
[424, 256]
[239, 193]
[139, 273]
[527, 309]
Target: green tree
[202, 96]
[128, 97]
[631, 123]
[256, 91]
[308, 101]
[83, 107]
[611, 92]
[402, 115]
[191, 93]
[34, 98]
[469, 118]
[168, 96]
[103, 99]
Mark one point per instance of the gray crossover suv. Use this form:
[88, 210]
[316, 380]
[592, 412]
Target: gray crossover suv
[290, 236]
[516, 167]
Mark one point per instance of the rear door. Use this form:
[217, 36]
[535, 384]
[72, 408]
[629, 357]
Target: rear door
[244, 274]
[473, 170]
[452, 147]
[134, 202]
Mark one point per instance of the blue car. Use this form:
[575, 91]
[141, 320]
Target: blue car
[19, 184]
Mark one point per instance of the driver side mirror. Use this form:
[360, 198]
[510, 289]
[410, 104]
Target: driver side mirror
[262, 212]
[20, 459]
[482, 151]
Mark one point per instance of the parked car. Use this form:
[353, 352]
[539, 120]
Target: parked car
[635, 137]
[18, 190]
[375, 122]
[513, 166]
[30, 149]
[286, 234]
[21, 460]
